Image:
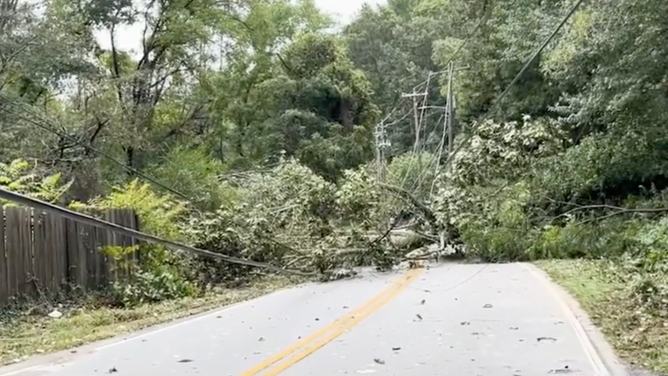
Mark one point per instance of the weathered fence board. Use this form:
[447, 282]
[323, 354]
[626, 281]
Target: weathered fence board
[4, 276]
[43, 254]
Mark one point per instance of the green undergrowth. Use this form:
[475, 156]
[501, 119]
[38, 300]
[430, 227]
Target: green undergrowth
[28, 330]
[630, 306]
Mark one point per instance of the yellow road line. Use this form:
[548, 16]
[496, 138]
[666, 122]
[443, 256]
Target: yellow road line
[404, 282]
[341, 320]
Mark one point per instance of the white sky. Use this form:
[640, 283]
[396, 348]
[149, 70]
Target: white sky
[129, 38]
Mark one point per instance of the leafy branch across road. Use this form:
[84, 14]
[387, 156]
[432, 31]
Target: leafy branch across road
[255, 129]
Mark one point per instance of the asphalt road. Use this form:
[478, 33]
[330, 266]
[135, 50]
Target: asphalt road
[453, 319]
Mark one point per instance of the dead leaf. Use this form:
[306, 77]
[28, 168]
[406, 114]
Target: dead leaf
[396, 348]
[185, 360]
[423, 301]
[539, 339]
[113, 370]
[418, 316]
[487, 306]
[379, 361]
[261, 339]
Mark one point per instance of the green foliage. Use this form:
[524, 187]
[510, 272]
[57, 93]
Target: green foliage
[564, 168]
[403, 172]
[195, 174]
[158, 214]
[276, 217]
[606, 162]
[161, 274]
[151, 287]
[358, 196]
[19, 176]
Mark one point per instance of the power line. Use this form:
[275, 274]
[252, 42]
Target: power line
[146, 177]
[517, 77]
[404, 97]
[82, 218]
[88, 147]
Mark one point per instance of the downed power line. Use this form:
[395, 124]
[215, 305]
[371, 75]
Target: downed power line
[89, 220]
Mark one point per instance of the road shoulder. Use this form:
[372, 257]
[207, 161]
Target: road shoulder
[602, 303]
[593, 341]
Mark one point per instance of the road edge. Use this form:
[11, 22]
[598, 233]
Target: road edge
[40, 364]
[593, 342]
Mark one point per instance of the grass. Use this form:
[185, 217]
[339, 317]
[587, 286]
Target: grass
[24, 333]
[623, 303]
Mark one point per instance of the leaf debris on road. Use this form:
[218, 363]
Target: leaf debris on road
[379, 361]
[540, 339]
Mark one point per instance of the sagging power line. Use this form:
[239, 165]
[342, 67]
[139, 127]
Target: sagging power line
[528, 63]
[6, 102]
[123, 230]
[414, 93]
[86, 219]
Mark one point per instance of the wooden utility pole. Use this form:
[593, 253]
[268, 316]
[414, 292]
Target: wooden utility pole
[450, 107]
[381, 144]
[450, 118]
[417, 146]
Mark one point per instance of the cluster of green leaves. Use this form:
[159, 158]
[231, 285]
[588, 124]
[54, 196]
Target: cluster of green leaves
[160, 274]
[22, 177]
[288, 216]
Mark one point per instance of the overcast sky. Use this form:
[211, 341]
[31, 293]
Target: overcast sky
[129, 38]
[343, 10]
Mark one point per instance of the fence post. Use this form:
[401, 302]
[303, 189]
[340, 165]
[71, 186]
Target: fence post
[4, 276]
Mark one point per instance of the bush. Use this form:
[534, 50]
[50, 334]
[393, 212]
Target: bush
[152, 286]
[22, 177]
[195, 174]
[277, 217]
[403, 172]
[162, 273]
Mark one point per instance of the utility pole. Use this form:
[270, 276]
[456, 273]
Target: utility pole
[417, 146]
[450, 118]
[416, 119]
[380, 134]
[450, 106]
[449, 115]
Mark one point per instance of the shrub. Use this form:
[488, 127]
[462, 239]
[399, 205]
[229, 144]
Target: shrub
[161, 273]
[22, 177]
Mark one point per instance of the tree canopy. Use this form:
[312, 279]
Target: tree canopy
[267, 119]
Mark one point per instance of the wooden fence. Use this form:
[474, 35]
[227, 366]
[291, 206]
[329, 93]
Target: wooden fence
[43, 254]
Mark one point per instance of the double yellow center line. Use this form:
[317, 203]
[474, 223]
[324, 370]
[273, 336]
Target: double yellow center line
[315, 341]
